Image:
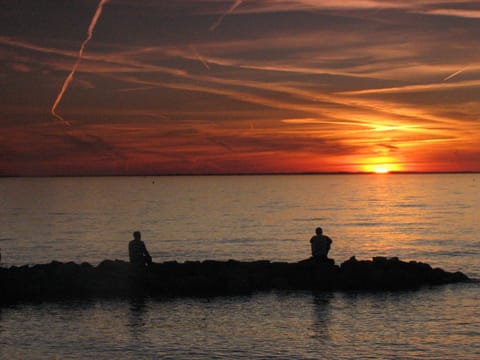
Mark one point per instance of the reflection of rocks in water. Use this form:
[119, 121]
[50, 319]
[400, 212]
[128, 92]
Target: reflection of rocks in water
[193, 278]
[137, 313]
[321, 316]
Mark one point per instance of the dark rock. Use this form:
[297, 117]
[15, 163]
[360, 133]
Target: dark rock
[193, 278]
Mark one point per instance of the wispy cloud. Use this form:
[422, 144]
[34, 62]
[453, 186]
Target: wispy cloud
[415, 88]
[462, 13]
[21, 67]
[107, 62]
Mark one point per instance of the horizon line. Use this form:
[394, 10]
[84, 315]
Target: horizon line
[249, 174]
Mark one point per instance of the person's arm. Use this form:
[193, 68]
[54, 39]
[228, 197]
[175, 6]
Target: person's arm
[146, 254]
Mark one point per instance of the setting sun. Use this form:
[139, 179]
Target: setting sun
[381, 165]
[381, 170]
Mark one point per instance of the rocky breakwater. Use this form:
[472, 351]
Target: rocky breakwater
[120, 279]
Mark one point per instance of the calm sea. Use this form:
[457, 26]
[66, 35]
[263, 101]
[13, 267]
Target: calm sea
[430, 218]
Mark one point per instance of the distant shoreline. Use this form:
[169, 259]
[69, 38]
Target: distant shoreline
[249, 174]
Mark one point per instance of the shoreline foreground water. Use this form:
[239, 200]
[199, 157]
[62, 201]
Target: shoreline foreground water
[209, 278]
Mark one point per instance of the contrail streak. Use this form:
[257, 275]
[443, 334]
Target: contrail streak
[69, 78]
[229, 11]
[199, 57]
[455, 73]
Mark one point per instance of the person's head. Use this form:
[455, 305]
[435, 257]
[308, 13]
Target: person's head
[137, 235]
[319, 231]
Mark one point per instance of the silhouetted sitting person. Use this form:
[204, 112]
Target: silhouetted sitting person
[320, 245]
[138, 252]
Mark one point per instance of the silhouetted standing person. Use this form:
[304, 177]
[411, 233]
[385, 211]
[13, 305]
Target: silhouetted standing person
[138, 252]
[320, 245]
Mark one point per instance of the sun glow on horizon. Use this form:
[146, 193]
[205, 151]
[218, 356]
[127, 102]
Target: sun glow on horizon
[381, 170]
[380, 167]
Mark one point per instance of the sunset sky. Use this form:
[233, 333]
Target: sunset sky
[253, 86]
